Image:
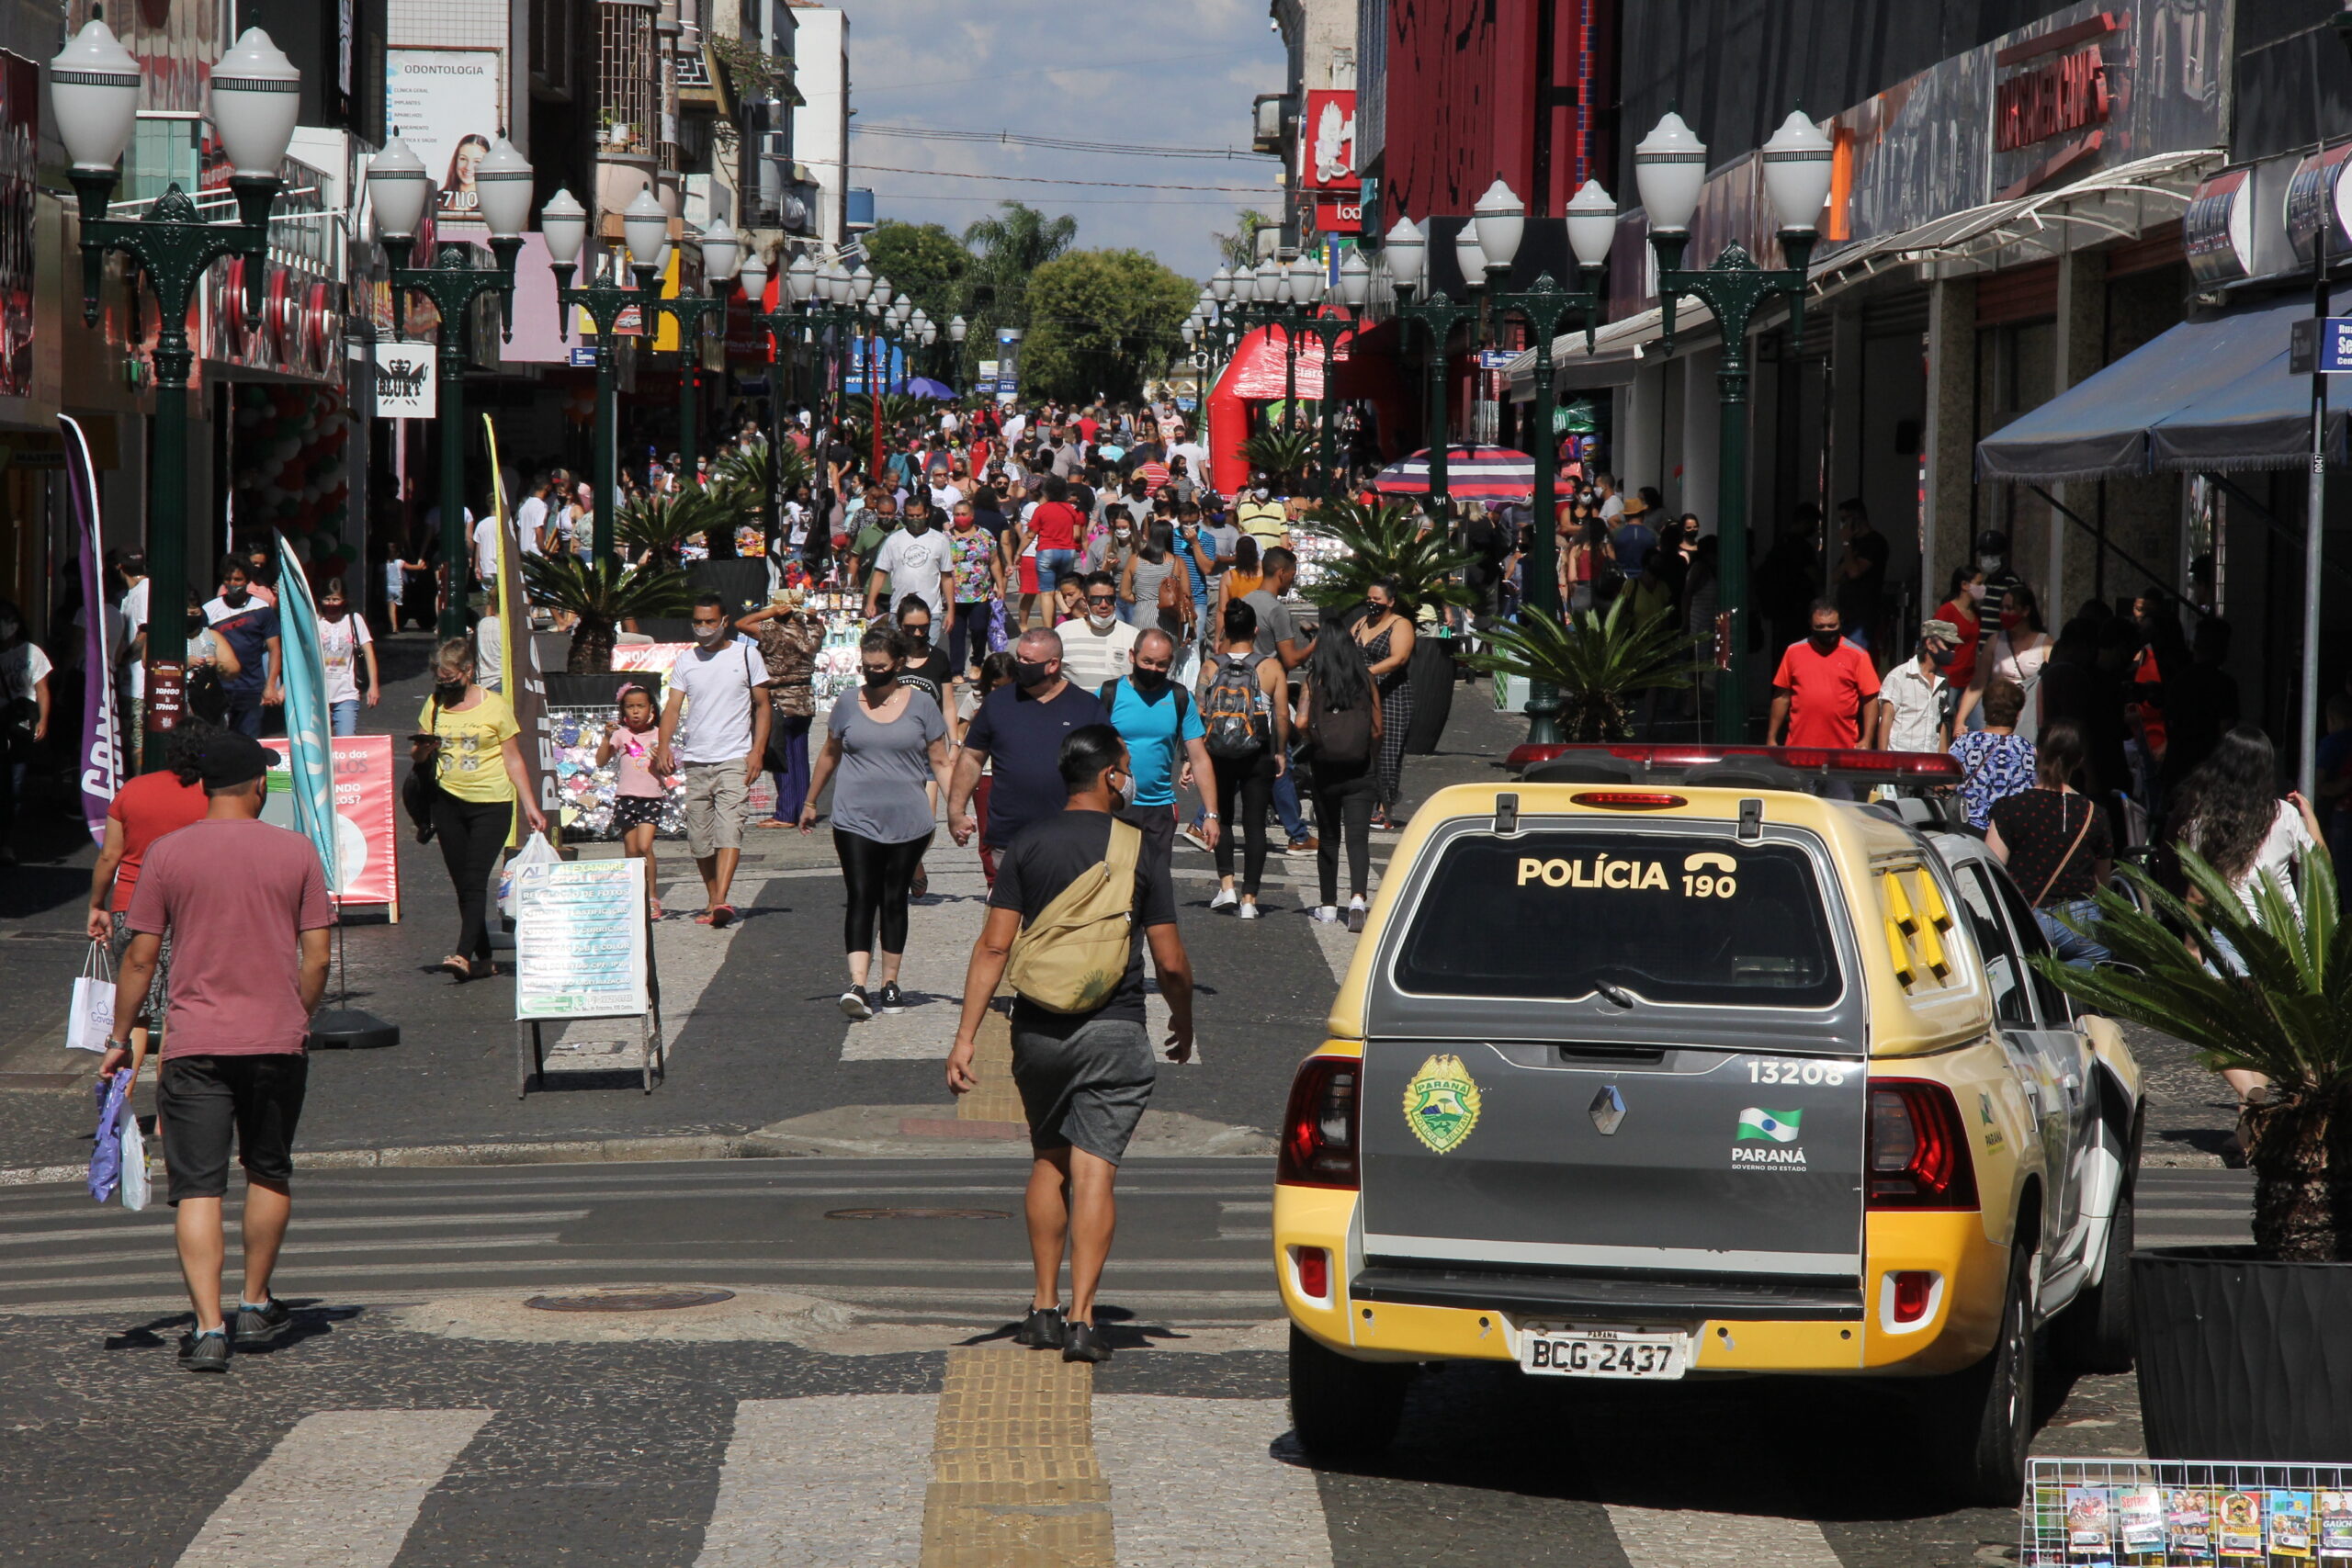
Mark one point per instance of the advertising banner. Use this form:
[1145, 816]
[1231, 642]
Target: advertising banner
[405, 386]
[1327, 153]
[101, 737]
[366, 805]
[445, 102]
[303, 668]
[525, 684]
[581, 947]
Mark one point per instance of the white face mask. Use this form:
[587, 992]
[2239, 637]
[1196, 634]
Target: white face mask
[1989, 563]
[1261, 493]
[1976, 593]
[1120, 793]
[1103, 622]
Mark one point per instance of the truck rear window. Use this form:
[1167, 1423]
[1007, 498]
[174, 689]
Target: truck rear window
[1698, 920]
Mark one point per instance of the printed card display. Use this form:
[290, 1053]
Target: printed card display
[2291, 1524]
[2188, 1511]
[2140, 1518]
[2335, 1524]
[2239, 1522]
[2089, 1521]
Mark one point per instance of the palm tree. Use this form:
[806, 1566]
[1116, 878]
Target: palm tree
[750, 480]
[1392, 541]
[1007, 249]
[600, 595]
[1595, 662]
[661, 525]
[1285, 454]
[1239, 250]
[2288, 1016]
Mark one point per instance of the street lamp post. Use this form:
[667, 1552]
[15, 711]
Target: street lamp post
[1407, 250]
[1591, 224]
[958, 329]
[721, 256]
[645, 231]
[398, 188]
[1670, 166]
[93, 83]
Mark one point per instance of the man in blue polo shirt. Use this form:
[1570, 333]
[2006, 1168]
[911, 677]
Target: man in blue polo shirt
[1155, 718]
[1019, 729]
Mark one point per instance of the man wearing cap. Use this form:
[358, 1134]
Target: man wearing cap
[1915, 703]
[1632, 538]
[245, 904]
[1993, 560]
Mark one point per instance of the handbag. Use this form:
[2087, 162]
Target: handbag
[423, 785]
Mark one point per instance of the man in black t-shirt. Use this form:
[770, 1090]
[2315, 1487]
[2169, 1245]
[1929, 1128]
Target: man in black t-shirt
[1084, 1077]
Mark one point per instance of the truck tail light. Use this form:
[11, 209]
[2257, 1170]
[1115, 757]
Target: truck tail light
[1918, 1147]
[1914, 1290]
[1315, 1273]
[1319, 1127]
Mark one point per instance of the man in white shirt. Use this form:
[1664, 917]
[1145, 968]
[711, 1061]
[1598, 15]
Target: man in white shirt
[531, 517]
[1915, 701]
[723, 746]
[1101, 647]
[1612, 505]
[916, 559]
[134, 647]
[1014, 423]
[485, 536]
[1195, 455]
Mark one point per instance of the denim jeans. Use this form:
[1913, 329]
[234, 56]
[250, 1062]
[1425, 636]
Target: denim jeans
[2074, 951]
[1052, 567]
[1293, 820]
[243, 714]
[343, 717]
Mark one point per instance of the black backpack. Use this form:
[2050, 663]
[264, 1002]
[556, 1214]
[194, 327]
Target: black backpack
[1339, 735]
[1233, 709]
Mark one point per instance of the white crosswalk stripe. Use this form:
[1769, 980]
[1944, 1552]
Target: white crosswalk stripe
[831, 1480]
[340, 1490]
[1683, 1537]
[1164, 1455]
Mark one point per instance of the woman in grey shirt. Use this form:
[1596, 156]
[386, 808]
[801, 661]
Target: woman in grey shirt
[1154, 564]
[884, 742]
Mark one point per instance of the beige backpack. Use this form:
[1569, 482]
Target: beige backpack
[1073, 956]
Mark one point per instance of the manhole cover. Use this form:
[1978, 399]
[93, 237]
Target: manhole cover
[916, 1214]
[630, 1300]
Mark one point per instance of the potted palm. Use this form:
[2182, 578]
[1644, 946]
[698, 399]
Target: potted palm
[599, 596]
[1393, 542]
[1284, 454]
[2245, 1352]
[1597, 660]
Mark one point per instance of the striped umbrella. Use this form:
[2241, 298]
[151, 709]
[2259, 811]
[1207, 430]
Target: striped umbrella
[1472, 473]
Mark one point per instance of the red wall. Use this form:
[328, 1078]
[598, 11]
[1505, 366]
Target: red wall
[1461, 102]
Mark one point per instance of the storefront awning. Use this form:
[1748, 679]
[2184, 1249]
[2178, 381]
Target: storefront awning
[2262, 420]
[2101, 428]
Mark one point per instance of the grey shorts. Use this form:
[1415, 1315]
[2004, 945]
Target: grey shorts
[716, 802]
[1086, 1092]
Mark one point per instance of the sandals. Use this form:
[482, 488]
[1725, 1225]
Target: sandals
[464, 970]
[720, 917]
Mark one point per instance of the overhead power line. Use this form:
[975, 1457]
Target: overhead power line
[1041, 179]
[1061, 143]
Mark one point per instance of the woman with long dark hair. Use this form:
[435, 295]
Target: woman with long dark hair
[2018, 654]
[468, 735]
[1341, 718]
[2056, 845]
[1387, 641]
[1156, 590]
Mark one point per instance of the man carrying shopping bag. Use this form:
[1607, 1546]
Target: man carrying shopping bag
[245, 904]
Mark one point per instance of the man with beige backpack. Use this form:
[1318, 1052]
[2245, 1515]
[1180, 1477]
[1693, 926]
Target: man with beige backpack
[1074, 902]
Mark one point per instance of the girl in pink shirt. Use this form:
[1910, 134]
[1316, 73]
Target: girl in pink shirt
[638, 790]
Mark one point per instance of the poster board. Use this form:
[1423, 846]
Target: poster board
[581, 947]
[366, 807]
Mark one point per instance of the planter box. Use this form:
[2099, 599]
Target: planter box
[2241, 1359]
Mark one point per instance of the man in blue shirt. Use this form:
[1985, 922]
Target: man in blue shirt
[250, 628]
[1156, 719]
[1633, 540]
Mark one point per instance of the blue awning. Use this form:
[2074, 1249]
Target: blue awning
[2100, 427]
[2262, 420]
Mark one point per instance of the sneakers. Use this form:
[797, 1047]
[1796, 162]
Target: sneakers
[1084, 1342]
[1226, 898]
[892, 999]
[1191, 834]
[1356, 913]
[1326, 913]
[1248, 910]
[259, 1323]
[1305, 846]
[855, 1004]
[1043, 1330]
[205, 1352]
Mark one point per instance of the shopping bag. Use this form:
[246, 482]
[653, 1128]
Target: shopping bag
[134, 1162]
[105, 1146]
[536, 851]
[92, 1019]
[1001, 633]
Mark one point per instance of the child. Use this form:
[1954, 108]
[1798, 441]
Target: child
[638, 791]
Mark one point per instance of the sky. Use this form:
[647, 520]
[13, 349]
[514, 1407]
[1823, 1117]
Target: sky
[1111, 72]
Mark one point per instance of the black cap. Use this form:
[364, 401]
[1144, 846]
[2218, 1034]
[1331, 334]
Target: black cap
[229, 759]
[1992, 542]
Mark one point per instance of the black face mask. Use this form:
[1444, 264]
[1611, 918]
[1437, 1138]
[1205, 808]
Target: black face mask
[1943, 655]
[235, 597]
[1824, 642]
[447, 692]
[1029, 676]
[879, 680]
[1150, 682]
[196, 620]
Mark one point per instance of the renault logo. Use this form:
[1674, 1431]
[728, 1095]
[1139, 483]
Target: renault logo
[1607, 1109]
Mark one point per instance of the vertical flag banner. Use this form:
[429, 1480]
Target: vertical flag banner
[526, 686]
[101, 767]
[304, 673]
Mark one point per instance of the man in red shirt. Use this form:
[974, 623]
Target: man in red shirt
[245, 904]
[1822, 694]
[142, 812]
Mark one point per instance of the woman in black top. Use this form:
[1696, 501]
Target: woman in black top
[2056, 845]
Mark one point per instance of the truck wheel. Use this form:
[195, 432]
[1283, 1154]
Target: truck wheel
[1986, 1414]
[2094, 1334]
[1343, 1408]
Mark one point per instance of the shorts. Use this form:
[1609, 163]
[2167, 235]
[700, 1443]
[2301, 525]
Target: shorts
[153, 1013]
[716, 802]
[1086, 1091]
[201, 1101]
[636, 811]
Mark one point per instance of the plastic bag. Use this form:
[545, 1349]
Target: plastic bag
[536, 851]
[1000, 625]
[92, 1018]
[135, 1163]
[105, 1145]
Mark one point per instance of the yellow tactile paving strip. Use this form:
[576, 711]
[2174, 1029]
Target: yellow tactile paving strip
[1014, 1479]
[996, 1100]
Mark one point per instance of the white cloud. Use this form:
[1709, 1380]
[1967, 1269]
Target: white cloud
[1055, 68]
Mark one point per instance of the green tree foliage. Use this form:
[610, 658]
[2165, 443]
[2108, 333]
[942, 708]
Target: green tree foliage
[923, 262]
[1597, 660]
[1006, 250]
[1102, 321]
[1392, 542]
[1239, 250]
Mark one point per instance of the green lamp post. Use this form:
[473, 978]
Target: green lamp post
[255, 97]
[399, 187]
[1351, 288]
[645, 231]
[721, 258]
[1670, 166]
[1405, 251]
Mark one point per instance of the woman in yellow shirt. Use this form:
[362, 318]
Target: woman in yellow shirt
[477, 760]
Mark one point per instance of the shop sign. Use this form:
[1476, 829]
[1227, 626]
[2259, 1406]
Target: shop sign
[445, 102]
[1342, 216]
[404, 380]
[2065, 95]
[2216, 232]
[19, 151]
[2322, 182]
[1327, 146]
[2054, 87]
[2322, 346]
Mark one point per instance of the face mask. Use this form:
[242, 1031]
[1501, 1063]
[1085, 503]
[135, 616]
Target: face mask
[1943, 655]
[1119, 793]
[1029, 676]
[1261, 493]
[1824, 641]
[1150, 682]
[878, 680]
[1976, 593]
[1989, 563]
[235, 597]
[447, 692]
[1103, 620]
[194, 623]
[919, 524]
[334, 612]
